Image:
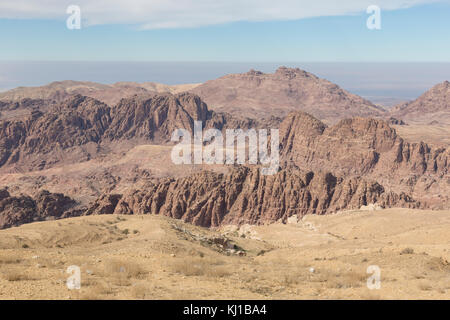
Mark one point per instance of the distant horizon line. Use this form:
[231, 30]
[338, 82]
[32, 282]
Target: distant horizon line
[221, 61]
[384, 83]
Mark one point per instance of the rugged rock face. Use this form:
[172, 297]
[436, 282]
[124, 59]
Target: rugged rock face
[25, 103]
[77, 129]
[155, 117]
[366, 147]
[258, 94]
[40, 139]
[24, 209]
[105, 204]
[245, 196]
[431, 107]
[395, 121]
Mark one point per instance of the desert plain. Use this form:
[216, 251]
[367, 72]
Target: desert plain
[155, 257]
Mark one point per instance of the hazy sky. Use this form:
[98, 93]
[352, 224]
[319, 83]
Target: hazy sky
[184, 41]
[218, 30]
[383, 83]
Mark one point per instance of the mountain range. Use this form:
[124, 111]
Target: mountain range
[107, 148]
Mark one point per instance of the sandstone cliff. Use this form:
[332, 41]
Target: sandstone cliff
[81, 128]
[24, 209]
[370, 148]
[211, 199]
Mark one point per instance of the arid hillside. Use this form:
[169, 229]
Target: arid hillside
[81, 128]
[432, 107]
[257, 94]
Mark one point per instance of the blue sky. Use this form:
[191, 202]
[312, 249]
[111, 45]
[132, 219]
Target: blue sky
[418, 33]
[186, 41]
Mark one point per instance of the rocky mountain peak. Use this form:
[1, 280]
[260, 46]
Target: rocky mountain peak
[254, 72]
[261, 95]
[291, 73]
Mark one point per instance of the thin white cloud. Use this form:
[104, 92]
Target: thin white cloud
[154, 14]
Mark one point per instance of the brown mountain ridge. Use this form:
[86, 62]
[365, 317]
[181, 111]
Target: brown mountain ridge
[349, 159]
[257, 94]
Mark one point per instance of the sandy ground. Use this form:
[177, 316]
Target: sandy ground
[436, 135]
[117, 171]
[153, 257]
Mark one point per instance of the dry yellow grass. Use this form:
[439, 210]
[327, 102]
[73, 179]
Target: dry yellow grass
[125, 268]
[432, 134]
[200, 267]
[322, 257]
[16, 275]
[10, 258]
[140, 291]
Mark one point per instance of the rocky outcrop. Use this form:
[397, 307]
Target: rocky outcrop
[15, 211]
[77, 129]
[105, 204]
[370, 148]
[256, 94]
[67, 131]
[243, 196]
[23, 104]
[155, 117]
[395, 121]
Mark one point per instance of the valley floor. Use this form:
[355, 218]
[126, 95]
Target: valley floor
[153, 257]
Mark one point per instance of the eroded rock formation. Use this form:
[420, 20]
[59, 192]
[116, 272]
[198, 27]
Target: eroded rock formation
[211, 199]
[17, 210]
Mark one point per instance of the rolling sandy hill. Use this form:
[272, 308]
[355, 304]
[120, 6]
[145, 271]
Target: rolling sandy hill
[432, 107]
